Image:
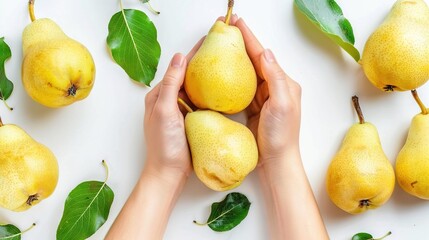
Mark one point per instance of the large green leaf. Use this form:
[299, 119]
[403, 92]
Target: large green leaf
[6, 86]
[228, 213]
[86, 209]
[328, 16]
[10, 232]
[133, 41]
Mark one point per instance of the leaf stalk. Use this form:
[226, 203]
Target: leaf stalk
[387, 234]
[152, 9]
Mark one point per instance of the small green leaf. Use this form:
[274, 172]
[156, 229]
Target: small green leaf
[362, 236]
[328, 16]
[367, 236]
[86, 209]
[6, 86]
[10, 232]
[133, 41]
[227, 214]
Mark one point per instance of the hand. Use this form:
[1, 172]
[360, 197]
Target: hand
[167, 147]
[275, 113]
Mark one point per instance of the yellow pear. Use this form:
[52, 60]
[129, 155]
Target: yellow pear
[223, 152]
[412, 163]
[396, 55]
[56, 70]
[221, 76]
[360, 176]
[28, 169]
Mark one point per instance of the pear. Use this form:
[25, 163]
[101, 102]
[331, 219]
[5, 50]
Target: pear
[412, 162]
[223, 152]
[396, 55]
[28, 169]
[360, 176]
[56, 70]
[221, 76]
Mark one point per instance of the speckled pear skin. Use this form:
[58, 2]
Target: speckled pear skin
[360, 177]
[412, 163]
[221, 76]
[396, 55]
[223, 152]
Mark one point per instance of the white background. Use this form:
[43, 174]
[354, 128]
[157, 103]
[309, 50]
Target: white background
[108, 124]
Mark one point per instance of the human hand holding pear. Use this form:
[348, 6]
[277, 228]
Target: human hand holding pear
[396, 55]
[57, 70]
[28, 169]
[360, 177]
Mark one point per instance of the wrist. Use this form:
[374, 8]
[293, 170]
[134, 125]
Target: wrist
[169, 178]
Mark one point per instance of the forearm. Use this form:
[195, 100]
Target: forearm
[146, 212]
[291, 205]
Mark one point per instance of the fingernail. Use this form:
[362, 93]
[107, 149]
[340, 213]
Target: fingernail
[269, 56]
[177, 60]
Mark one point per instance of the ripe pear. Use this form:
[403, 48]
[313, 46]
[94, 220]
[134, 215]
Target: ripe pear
[412, 163]
[360, 176]
[28, 169]
[223, 152]
[56, 70]
[396, 55]
[221, 76]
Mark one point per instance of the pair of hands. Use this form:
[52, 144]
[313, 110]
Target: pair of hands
[273, 115]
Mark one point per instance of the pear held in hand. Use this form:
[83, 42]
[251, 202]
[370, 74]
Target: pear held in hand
[56, 70]
[396, 55]
[221, 76]
[360, 176]
[223, 152]
[412, 163]
[28, 169]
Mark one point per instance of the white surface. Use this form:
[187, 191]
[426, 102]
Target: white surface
[108, 124]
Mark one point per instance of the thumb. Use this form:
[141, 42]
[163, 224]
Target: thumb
[172, 82]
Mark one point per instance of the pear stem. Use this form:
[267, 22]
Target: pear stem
[419, 102]
[186, 106]
[31, 10]
[229, 13]
[1, 123]
[355, 100]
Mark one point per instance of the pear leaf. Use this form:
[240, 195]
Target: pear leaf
[367, 236]
[86, 209]
[227, 214]
[11, 232]
[328, 16]
[6, 86]
[133, 42]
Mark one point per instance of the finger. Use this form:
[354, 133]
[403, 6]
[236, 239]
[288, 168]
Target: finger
[171, 84]
[197, 46]
[253, 46]
[150, 100]
[278, 81]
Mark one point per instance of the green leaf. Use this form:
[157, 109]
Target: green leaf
[6, 86]
[227, 214]
[86, 209]
[362, 236]
[328, 16]
[133, 42]
[10, 232]
[367, 236]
